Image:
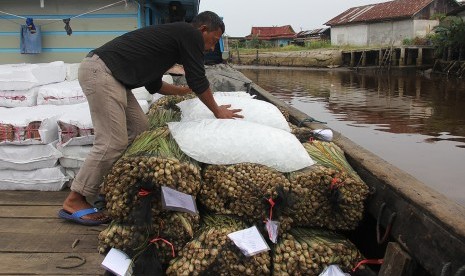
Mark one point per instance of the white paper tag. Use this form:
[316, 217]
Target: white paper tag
[272, 228]
[118, 263]
[177, 201]
[249, 241]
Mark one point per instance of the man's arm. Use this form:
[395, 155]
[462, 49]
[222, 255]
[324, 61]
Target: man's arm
[170, 89]
[220, 112]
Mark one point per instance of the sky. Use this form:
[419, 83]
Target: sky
[240, 15]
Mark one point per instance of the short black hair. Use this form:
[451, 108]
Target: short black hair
[209, 19]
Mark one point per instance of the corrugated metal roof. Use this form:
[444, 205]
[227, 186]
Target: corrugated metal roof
[381, 11]
[311, 32]
[272, 32]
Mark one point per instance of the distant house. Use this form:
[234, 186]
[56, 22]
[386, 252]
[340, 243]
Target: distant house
[387, 23]
[303, 37]
[278, 36]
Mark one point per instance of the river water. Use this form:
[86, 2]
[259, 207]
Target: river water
[415, 122]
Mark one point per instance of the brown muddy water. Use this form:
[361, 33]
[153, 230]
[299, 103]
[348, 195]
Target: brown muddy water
[415, 122]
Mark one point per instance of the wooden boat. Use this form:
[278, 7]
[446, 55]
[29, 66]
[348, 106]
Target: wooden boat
[426, 228]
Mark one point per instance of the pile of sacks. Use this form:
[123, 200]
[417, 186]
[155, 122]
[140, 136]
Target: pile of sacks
[45, 126]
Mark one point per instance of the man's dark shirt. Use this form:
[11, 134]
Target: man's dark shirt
[141, 57]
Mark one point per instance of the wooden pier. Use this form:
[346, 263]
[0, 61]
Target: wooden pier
[34, 241]
[390, 57]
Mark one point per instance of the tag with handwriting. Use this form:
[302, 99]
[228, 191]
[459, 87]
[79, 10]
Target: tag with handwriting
[118, 263]
[249, 241]
[177, 201]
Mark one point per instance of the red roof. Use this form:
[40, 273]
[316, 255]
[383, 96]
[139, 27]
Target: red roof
[268, 33]
[382, 11]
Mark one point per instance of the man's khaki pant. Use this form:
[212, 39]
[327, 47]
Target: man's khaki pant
[117, 119]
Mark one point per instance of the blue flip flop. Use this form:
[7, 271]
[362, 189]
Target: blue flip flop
[77, 216]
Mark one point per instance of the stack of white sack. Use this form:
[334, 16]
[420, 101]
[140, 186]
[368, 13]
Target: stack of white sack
[19, 82]
[75, 137]
[28, 159]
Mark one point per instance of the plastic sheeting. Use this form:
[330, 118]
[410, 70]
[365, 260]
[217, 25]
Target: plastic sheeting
[224, 142]
[256, 111]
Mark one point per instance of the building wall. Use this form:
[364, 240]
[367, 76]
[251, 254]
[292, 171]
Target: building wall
[382, 33]
[89, 31]
[387, 33]
[355, 35]
[422, 28]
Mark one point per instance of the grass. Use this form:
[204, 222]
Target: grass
[293, 48]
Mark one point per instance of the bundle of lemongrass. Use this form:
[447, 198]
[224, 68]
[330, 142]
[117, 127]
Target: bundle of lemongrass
[213, 253]
[122, 236]
[170, 101]
[245, 190]
[158, 117]
[330, 193]
[308, 251]
[151, 161]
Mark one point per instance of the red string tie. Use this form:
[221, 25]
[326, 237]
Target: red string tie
[334, 183]
[165, 241]
[272, 203]
[368, 261]
[144, 192]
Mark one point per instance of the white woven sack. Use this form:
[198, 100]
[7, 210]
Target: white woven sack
[21, 117]
[223, 142]
[77, 115]
[28, 157]
[256, 111]
[16, 98]
[142, 94]
[48, 179]
[73, 156]
[17, 76]
[72, 71]
[61, 93]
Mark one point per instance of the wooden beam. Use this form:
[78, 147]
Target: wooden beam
[396, 262]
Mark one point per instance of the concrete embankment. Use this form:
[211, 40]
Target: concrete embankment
[310, 58]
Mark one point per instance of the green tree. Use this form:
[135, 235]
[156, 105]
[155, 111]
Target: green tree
[449, 38]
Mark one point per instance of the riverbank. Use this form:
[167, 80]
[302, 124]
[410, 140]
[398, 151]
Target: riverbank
[320, 58]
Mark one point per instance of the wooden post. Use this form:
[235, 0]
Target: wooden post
[393, 60]
[402, 57]
[409, 57]
[364, 58]
[420, 57]
[380, 57]
[396, 262]
[352, 59]
[256, 58]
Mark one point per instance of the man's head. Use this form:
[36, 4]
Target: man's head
[211, 26]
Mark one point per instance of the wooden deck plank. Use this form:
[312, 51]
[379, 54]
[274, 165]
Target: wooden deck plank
[51, 226]
[46, 243]
[37, 198]
[45, 264]
[16, 211]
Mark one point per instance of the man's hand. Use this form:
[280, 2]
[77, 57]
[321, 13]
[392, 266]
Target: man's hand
[224, 112]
